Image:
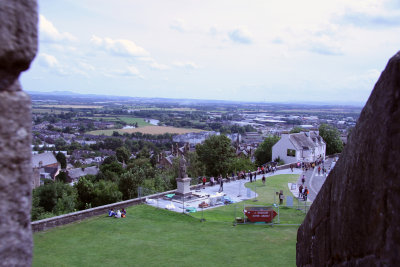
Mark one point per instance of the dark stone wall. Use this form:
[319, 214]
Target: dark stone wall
[45, 224]
[355, 219]
[18, 46]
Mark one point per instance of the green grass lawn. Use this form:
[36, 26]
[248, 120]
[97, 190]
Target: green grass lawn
[156, 237]
[266, 194]
[132, 120]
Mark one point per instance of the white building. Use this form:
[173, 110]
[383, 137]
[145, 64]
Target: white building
[303, 147]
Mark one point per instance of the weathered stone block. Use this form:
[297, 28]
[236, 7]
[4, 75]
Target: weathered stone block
[354, 220]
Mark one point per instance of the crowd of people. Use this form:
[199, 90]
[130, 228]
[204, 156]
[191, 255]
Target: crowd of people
[119, 214]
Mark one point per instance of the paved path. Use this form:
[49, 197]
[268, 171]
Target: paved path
[314, 181]
[234, 189]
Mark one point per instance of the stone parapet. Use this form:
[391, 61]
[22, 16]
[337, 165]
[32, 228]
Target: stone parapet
[45, 224]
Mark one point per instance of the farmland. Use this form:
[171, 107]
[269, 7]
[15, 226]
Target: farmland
[147, 130]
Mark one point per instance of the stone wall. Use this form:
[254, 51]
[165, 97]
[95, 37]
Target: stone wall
[18, 46]
[84, 214]
[354, 220]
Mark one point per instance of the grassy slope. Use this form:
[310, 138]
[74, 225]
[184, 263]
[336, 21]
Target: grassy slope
[153, 237]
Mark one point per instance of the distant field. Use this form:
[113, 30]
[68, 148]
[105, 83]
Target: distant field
[319, 111]
[131, 120]
[70, 106]
[166, 109]
[148, 130]
[46, 110]
[102, 118]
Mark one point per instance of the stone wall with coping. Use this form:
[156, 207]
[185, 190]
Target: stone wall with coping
[45, 224]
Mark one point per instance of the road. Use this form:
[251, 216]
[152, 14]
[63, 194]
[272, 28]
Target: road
[314, 181]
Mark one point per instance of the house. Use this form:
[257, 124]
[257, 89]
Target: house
[299, 147]
[45, 166]
[75, 174]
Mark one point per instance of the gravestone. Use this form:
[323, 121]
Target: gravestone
[18, 47]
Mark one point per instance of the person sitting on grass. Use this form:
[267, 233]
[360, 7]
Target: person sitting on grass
[123, 213]
[118, 215]
[111, 213]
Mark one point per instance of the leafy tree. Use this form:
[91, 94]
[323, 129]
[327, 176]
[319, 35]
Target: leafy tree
[49, 194]
[85, 190]
[62, 160]
[216, 154]
[60, 144]
[114, 167]
[332, 139]
[138, 171]
[240, 164]
[144, 153]
[106, 192]
[61, 177]
[263, 153]
[195, 167]
[109, 160]
[113, 143]
[296, 129]
[122, 154]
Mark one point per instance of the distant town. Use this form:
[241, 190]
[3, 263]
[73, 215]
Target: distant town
[102, 137]
[85, 128]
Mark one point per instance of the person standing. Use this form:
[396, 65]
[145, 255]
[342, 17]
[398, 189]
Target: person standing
[305, 193]
[204, 182]
[303, 179]
[251, 176]
[221, 185]
[263, 180]
[301, 191]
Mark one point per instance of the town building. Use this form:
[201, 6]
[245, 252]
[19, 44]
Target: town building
[45, 166]
[299, 147]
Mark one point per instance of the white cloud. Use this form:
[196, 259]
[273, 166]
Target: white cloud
[241, 35]
[179, 25]
[186, 65]
[158, 66]
[129, 71]
[49, 33]
[119, 47]
[320, 39]
[47, 60]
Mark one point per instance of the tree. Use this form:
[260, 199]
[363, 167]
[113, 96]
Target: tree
[85, 190]
[296, 129]
[263, 153]
[110, 159]
[106, 192]
[332, 139]
[62, 159]
[114, 167]
[195, 167]
[50, 193]
[122, 154]
[216, 154]
[61, 177]
[240, 164]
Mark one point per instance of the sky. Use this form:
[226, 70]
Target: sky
[266, 51]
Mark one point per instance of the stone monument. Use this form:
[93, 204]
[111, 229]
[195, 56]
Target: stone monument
[183, 181]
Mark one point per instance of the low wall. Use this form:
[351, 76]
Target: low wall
[45, 224]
